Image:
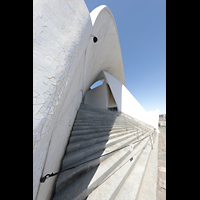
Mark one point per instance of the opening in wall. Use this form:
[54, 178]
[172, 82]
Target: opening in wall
[96, 84]
[112, 108]
[100, 94]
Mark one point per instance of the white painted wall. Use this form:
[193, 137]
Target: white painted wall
[153, 118]
[111, 100]
[65, 63]
[127, 103]
[98, 96]
[61, 30]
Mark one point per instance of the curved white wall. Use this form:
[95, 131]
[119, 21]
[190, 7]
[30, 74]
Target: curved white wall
[66, 62]
[127, 103]
[61, 30]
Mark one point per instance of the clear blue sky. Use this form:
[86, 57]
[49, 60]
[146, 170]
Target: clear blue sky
[141, 26]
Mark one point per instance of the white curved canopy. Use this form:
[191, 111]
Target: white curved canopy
[105, 54]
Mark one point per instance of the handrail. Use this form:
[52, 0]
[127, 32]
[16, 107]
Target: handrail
[43, 178]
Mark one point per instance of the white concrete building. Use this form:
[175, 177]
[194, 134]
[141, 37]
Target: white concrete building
[66, 62]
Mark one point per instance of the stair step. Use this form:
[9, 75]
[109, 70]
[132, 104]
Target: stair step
[69, 175]
[92, 108]
[94, 116]
[98, 126]
[85, 121]
[91, 131]
[67, 191]
[94, 141]
[111, 185]
[112, 134]
[98, 153]
[92, 127]
[105, 150]
[97, 117]
[131, 187]
[101, 113]
[74, 157]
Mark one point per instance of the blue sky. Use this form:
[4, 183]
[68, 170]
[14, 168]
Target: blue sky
[141, 26]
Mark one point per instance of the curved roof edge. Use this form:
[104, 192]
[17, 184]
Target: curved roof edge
[94, 16]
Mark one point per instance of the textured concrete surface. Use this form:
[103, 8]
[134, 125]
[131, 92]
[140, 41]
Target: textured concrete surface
[102, 178]
[66, 62]
[149, 183]
[117, 183]
[133, 183]
[61, 30]
[161, 184]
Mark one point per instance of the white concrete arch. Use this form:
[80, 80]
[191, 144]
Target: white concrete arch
[66, 62]
[105, 54]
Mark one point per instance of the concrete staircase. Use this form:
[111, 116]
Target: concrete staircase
[99, 148]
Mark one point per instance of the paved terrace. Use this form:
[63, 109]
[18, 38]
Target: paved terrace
[161, 185]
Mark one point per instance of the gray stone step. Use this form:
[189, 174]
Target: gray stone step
[95, 133]
[67, 191]
[102, 112]
[98, 130]
[73, 157]
[97, 123]
[112, 134]
[109, 149]
[93, 122]
[94, 141]
[112, 184]
[95, 116]
[132, 184]
[70, 175]
[97, 126]
[92, 108]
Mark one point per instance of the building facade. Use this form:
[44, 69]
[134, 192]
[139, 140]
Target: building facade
[72, 49]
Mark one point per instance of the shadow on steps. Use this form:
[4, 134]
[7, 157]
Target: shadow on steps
[74, 181]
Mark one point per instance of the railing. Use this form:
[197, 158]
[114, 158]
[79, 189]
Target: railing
[149, 134]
